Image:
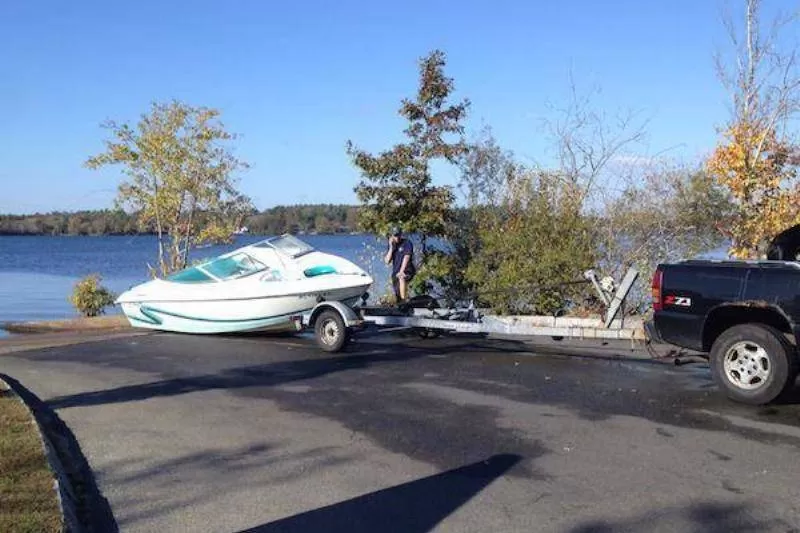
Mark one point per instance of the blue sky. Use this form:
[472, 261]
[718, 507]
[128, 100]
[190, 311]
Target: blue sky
[297, 79]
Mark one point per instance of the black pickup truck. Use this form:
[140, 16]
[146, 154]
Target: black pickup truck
[745, 315]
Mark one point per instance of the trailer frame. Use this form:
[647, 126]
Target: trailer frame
[335, 323]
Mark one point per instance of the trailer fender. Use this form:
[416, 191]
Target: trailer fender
[348, 314]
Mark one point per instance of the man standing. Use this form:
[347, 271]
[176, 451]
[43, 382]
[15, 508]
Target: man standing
[401, 257]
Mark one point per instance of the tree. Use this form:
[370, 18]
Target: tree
[534, 241]
[397, 185]
[180, 177]
[322, 224]
[756, 159]
[485, 169]
[588, 141]
[533, 231]
[664, 213]
[90, 297]
[75, 225]
[643, 210]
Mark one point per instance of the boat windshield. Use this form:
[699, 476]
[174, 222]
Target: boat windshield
[220, 269]
[287, 245]
[190, 275]
[233, 266]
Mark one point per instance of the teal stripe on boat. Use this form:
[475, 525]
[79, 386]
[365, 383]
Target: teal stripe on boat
[146, 310]
[149, 318]
[152, 322]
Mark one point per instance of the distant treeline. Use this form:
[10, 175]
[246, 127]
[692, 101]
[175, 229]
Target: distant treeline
[326, 218]
[281, 219]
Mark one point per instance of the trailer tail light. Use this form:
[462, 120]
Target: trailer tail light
[658, 280]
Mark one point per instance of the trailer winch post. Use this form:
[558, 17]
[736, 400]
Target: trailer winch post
[591, 275]
[619, 297]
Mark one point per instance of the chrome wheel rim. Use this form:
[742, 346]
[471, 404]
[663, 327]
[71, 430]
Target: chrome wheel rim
[330, 331]
[747, 365]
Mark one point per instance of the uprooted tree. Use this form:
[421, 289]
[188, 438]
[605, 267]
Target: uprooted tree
[531, 232]
[757, 159]
[533, 237]
[643, 210]
[181, 180]
[397, 186]
[535, 230]
[663, 212]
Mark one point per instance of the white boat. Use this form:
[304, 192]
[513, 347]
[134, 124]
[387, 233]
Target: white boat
[260, 287]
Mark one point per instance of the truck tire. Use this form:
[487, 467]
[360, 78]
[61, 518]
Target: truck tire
[753, 363]
[330, 331]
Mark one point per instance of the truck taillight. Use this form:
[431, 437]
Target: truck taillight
[658, 279]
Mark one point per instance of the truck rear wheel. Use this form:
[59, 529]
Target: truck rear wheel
[753, 363]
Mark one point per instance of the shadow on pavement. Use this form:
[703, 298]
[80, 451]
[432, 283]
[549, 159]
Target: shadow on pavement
[270, 374]
[414, 507]
[679, 406]
[704, 517]
[93, 510]
[790, 397]
[147, 490]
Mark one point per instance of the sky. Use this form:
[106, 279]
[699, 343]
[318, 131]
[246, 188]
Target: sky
[296, 80]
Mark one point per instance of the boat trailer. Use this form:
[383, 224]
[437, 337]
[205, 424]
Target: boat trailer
[334, 323]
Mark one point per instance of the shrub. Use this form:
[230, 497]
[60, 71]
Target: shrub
[533, 244]
[90, 298]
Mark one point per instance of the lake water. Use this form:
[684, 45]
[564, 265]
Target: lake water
[37, 274]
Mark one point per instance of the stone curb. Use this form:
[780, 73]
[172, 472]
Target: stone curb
[631, 328]
[62, 486]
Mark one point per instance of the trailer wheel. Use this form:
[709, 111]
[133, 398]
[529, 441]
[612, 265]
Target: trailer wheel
[330, 331]
[753, 363]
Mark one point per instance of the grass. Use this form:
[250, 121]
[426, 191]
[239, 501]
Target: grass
[28, 502]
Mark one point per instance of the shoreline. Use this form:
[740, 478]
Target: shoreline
[32, 335]
[253, 234]
[116, 322]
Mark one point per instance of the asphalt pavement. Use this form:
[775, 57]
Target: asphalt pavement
[267, 434]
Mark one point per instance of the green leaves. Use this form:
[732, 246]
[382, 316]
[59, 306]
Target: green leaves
[533, 239]
[180, 177]
[90, 298]
[396, 185]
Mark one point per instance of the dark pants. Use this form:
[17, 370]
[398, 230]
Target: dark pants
[396, 284]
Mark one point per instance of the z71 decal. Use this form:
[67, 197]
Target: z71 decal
[682, 301]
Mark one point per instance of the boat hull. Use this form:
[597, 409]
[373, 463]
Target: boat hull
[273, 313]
